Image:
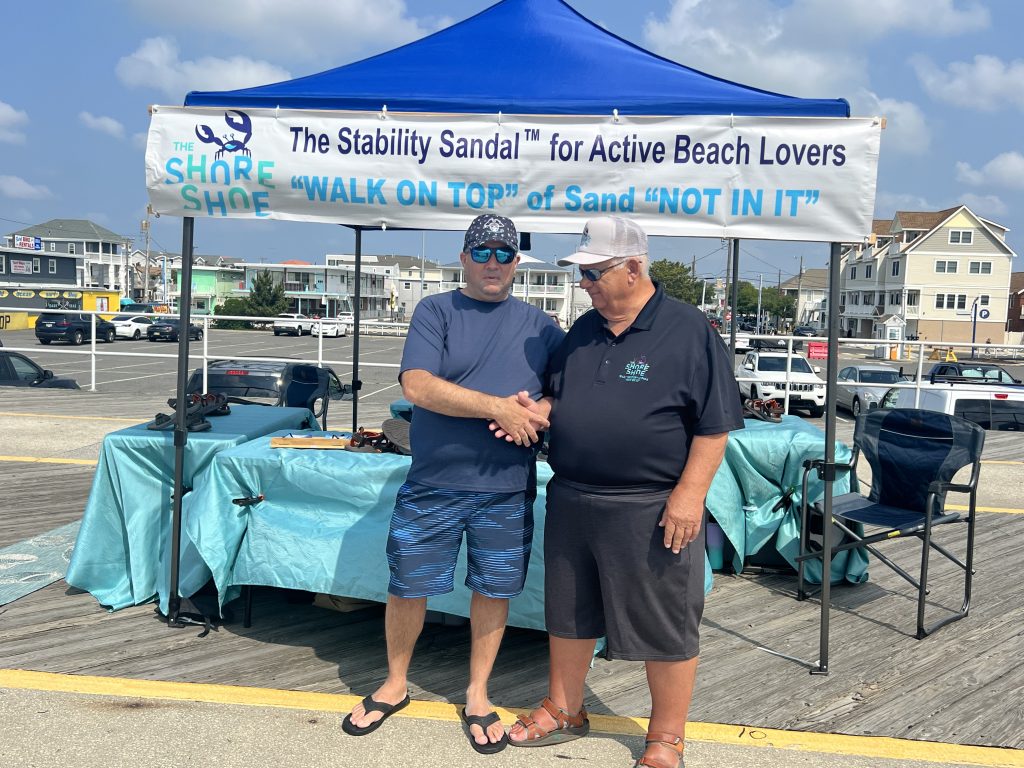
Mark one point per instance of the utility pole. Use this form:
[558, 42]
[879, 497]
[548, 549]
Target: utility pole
[423, 261]
[760, 287]
[799, 287]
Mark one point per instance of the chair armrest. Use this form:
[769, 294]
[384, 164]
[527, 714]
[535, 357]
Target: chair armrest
[938, 487]
[819, 464]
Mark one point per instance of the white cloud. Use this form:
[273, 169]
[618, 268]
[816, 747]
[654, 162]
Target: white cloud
[985, 205]
[107, 125]
[139, 140]
[156, 64]
[307, 30]
[11, 122]
[809, 48]
[987, 83]
[906, 128]
[18, 188]
[1005, 170]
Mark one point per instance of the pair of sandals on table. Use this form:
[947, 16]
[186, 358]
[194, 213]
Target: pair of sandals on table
[567, 727]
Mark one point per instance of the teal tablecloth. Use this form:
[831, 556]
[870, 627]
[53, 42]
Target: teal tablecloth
[323, 523]
[763, 462]
[121, 551]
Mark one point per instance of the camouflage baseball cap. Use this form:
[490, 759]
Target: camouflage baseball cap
[491, 227]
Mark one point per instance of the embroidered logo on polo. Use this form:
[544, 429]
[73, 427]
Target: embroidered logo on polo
[636, 370]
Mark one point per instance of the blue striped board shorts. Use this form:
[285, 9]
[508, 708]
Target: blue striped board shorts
[426, 534]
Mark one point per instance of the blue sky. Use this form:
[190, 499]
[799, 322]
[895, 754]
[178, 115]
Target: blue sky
[948, 75]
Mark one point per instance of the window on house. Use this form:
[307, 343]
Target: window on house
[53, 247]
[961, 301]
[981, 268]
[961, 236]
[895, 271]
[983, 300]
[853, 273]
[912, 298]
[946, 267]
[35, 266]
[868, 270]
[71, 249]
[895, 299]
[52, 266]
[3, 263]
[940, 301]
[92, 247]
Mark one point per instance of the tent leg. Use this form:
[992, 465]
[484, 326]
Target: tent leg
[356, 383]
[734, 245]
[832, 373]
[180, 428]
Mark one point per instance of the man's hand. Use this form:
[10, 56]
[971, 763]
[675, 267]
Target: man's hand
[541, 410]
[518, 419]
[684, 513]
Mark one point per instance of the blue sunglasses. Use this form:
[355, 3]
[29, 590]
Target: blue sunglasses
[483, 255]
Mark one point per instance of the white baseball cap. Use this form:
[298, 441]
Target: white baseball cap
[607, 237]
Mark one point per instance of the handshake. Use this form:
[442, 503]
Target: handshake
[518, 419]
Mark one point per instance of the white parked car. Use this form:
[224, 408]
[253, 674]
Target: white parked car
[762, 376]
[862, 386]
[992, 405]
[294, 324]
[331, 326]
[131, 326]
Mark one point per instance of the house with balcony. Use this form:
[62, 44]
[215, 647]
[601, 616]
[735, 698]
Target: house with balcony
[810, 292]
[211, 285]
[321, 290]
[939, 276]
[1015, 310]
[101, 256]
[408, 278]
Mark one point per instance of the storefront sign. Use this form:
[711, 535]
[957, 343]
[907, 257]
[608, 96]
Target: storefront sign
[28, 243]
[701, 176]
[21, 267]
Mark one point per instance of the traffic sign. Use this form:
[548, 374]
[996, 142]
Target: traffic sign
[983, 314]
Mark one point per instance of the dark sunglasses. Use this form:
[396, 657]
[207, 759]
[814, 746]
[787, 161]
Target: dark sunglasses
[483, 255]
[593, 275]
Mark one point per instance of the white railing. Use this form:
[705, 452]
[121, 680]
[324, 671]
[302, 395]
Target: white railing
[208, 323]
[913, 352]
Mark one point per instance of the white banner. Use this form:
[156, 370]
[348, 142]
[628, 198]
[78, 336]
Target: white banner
[702, 176]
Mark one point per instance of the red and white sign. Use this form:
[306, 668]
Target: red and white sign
[28, 242]
[817, 350]
[21, 267]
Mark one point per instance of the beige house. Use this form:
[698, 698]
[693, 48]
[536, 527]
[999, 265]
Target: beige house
[942, 276]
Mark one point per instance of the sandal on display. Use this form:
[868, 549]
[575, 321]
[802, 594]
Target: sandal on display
[370, 705]
[484, 721]
[567, 727]
[666, 740]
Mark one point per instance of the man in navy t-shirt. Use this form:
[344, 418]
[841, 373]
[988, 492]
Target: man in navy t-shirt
[469, 357]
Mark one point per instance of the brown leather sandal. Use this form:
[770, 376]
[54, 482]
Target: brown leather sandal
[667, 740]
[567, 727]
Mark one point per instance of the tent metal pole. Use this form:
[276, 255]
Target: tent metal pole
[832, 374]
[734, 292]
[180, 425]
[356, 383]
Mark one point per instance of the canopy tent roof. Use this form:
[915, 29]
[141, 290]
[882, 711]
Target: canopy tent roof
[522, 57]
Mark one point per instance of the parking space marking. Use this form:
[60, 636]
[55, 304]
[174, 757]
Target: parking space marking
[41, 460]
[998, 510]
[58, 416]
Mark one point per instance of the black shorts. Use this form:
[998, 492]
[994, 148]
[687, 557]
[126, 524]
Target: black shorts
[607, 572]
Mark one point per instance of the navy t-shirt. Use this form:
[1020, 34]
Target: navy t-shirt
[498, 348]
[627, 408]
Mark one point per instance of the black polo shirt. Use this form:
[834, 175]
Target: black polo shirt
[626, 408]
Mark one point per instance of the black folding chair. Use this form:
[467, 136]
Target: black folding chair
[913, 455]
[308, 387]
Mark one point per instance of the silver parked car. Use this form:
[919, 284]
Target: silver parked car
[861, 387]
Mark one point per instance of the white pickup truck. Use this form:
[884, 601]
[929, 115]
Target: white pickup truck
[294, 324]
[993, 405]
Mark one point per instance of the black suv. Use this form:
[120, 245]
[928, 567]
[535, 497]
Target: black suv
[72, 327]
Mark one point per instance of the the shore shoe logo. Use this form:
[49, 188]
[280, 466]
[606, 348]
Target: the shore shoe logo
[636, 370]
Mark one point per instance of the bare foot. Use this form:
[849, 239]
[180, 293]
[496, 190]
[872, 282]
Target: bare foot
[482, 708]
[389, 693]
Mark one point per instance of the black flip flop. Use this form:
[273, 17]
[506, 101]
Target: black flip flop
[485, 722]
[370, 705]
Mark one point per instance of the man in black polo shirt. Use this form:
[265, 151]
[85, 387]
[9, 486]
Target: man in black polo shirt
[641, 399]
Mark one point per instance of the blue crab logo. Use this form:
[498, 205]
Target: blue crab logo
[242, 124]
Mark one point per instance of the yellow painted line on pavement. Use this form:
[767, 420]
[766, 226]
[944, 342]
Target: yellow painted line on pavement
[1001, 461]
[41, 460]
[118, 419]
[999, 510]
[733, 735]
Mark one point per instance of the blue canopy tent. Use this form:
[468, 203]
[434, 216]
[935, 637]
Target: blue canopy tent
[560, 64]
